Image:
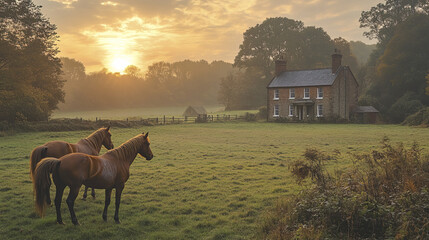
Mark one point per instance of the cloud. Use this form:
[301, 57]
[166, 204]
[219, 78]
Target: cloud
[96, 31]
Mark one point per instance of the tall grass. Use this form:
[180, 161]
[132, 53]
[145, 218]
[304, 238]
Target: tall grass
[384, 195]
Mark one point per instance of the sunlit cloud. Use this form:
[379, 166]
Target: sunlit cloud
[109, 3]
[114, 33]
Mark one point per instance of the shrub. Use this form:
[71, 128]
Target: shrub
[384, 195]
[404, 107]
[419, 118]
[262, 113]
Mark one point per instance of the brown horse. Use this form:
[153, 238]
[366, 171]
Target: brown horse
[90, 145]
[108, 171]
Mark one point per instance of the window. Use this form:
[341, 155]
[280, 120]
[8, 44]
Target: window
[276, 94]
[292, 93]
[306, 93]
[320, 93]
[276, 110]
[290, 110]
[320, 110]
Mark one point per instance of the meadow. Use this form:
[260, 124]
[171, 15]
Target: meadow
[206, 181]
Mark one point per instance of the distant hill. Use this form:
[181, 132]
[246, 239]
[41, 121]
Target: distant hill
[361, 51]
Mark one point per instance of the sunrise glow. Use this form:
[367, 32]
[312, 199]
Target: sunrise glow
[118, 64]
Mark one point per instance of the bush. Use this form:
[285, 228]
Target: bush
[262, 113]
[419, 118]
[404, 107]
[385, 195]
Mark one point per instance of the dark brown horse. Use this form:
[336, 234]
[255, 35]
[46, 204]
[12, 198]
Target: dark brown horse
[90, 145]
[108, 171]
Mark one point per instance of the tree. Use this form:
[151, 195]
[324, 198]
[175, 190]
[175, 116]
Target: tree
[382, 19]
[302, 47]
[405, 61]
[402, 69]
[30, 84]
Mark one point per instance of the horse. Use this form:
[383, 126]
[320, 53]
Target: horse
[90, 145]
[107, 171]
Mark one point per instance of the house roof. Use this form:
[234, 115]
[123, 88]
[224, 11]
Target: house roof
[366, 109]
[303, 78]
[198, 109]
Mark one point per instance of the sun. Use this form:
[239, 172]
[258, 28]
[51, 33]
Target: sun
[119, 63]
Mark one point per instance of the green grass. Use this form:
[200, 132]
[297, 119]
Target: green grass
[206, 181]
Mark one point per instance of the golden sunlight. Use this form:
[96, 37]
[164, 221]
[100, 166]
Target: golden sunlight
[119, 63]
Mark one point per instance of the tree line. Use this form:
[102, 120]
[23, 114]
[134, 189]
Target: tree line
[163, 84]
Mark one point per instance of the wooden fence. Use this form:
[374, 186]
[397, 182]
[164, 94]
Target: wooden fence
[163, 120]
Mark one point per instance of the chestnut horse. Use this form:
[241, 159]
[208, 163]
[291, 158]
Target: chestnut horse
[108, 171]
[90, 145]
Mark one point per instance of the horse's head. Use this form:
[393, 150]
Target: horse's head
[107, 139]
[145, 150]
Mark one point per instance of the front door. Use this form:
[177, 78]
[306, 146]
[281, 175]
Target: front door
[300, 112]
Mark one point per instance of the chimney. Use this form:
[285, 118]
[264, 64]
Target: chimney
[280, 66]
[336, 60]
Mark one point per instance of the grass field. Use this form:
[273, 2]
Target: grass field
[206, 181]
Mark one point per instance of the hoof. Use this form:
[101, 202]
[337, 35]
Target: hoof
[117, 221]
[105, 218]
[76, 223]
[93, 197]
[84, 198]
[60, 222]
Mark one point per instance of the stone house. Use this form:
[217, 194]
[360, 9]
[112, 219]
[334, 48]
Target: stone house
[308, 95]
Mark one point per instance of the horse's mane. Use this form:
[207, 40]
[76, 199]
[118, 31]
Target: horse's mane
[128, 148]
[96, 138]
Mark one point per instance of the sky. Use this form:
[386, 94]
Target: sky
[117, 33]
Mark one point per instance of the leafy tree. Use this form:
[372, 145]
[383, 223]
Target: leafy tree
[30, 84]
[382, 19]
[302, 47]
[405, 61]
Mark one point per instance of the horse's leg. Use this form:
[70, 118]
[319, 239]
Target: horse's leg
[117, 202]
[58, 198]
[93, 193]
[74, 191]
[85, 193]
[106, 203]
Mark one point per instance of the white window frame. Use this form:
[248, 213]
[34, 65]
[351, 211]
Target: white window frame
[276, 108]
[291, 110]
[276, 94]
[319, 109]
[320, 93]
[308, 93]
[291, 90]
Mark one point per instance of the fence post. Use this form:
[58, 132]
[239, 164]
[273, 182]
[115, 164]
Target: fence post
[156, 120]
[173, 119]
[186, 119]
[164, 119]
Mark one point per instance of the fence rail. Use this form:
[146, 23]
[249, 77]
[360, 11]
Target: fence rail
[182, 120]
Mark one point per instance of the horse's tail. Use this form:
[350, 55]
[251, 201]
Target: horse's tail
[42, 182]
[36, 155]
